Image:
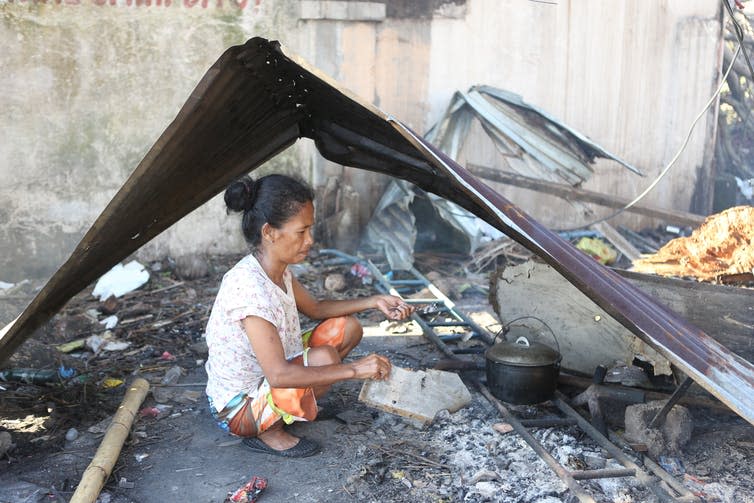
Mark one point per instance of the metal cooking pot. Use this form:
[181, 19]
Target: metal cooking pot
[522, 372]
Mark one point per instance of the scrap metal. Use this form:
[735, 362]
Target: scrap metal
[254, 102]
[532, 141]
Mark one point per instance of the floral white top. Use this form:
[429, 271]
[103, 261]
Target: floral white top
[246, 290]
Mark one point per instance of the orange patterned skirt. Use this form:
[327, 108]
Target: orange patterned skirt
[246, 416]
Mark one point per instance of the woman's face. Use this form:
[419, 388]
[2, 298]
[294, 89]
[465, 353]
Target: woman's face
[292, 241]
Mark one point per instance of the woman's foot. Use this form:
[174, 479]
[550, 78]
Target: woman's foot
[277, 438]
[279, 442]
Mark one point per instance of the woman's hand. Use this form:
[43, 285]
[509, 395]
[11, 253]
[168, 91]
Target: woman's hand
[373, 367]
[393, 307]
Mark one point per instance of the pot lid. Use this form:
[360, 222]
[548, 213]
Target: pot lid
[522, 353]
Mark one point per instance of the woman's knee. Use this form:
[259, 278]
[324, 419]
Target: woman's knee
[322, 355]
[353, 332]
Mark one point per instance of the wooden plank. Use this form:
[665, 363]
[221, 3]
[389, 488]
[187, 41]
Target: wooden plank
[416, 395]
[573, 193]
[535, 289]
[726, 313]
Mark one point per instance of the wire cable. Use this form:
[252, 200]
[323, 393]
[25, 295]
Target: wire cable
[739, 35]
[675, 157]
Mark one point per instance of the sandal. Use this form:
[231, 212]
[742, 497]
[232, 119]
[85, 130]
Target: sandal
[302, 449]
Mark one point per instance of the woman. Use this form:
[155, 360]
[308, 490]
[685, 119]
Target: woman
[261, 371]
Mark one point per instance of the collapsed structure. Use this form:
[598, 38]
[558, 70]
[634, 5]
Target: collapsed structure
[254, 102]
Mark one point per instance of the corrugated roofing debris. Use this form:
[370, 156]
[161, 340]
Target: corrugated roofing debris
[254, 102]
[531, 141]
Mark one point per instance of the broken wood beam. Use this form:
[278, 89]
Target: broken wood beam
[725, 313]
[568, 192]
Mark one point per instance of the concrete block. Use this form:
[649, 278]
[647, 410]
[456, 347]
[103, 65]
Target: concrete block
[669, 438]
[417, 395]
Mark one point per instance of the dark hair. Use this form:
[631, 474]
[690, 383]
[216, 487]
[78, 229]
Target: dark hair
[272, 199]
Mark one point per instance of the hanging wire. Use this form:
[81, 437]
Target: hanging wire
[675, 157]
[740, 36]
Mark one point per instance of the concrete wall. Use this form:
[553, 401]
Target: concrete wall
[88, 85]
[86, 90]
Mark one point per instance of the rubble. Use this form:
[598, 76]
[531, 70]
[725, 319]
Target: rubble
[439, 461]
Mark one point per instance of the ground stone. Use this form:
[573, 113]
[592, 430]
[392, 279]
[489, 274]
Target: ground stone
[670, 438]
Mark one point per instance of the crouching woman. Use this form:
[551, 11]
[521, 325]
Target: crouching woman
[262, 372]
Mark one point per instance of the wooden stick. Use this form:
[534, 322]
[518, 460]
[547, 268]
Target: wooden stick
[568, 192]
[98, 471]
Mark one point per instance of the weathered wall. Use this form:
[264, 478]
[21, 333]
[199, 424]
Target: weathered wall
[88, 85]
[86, 90]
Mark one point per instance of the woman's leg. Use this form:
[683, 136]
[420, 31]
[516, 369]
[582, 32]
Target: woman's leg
[343, 333]
[351, 337]
[331, 341]
[318, 357]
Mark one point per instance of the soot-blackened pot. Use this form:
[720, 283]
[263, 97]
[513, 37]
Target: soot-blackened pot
[522, 372]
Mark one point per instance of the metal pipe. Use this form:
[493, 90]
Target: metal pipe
[547, 422]
[685, 493]
[432, 336]
[559, 470]
[659, 418]
[604, 473]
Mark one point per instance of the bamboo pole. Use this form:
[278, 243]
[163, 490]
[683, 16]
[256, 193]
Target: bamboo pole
[98, 471]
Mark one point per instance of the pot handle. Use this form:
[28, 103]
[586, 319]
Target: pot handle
[523, 341]
[505, 328]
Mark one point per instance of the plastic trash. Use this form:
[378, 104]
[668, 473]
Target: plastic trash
[72, 346]
[362, 272]
[111, 382]
[172, 375]
[153, 412]
[672, 465]
[36, 376]
[249, 492]
[109, 322]
[601, 251]
[105, 342]
[65, 372]
[120, 280]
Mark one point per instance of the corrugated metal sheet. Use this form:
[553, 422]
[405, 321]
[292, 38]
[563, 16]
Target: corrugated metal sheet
[254, 102]
[530, 141]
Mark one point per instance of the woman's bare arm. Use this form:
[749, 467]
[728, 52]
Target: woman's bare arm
[281, 373]
[393, 307]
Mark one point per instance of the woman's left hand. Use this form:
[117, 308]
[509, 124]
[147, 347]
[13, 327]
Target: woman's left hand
[393, 307]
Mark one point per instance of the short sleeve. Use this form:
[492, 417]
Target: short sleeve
[248, 295]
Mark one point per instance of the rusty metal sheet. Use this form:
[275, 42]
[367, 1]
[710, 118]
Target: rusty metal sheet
[543, 146]
[254, 102]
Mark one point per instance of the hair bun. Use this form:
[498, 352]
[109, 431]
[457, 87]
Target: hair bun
[240, 194]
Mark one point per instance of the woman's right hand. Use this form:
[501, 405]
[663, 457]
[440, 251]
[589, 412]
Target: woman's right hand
[374, 366]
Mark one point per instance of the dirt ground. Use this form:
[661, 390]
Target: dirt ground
[368, 455]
